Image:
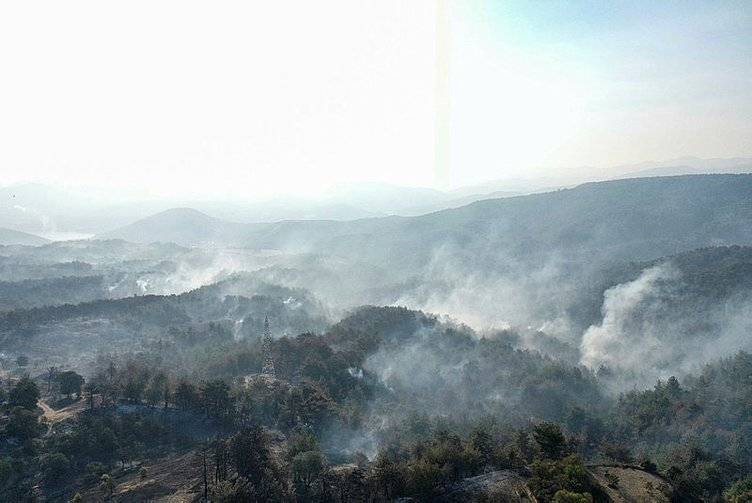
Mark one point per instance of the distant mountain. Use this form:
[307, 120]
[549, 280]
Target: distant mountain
[568, 178]
[456, 202]
[632, 219]
[386, 199]
[183, 226]
[60, 213]
[11, 237]
[275, 210]
[76, 213]
[687, 166]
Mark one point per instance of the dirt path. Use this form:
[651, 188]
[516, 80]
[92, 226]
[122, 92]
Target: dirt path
[54, 416]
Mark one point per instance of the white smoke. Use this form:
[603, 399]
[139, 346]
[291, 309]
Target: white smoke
[650, 331]
[237, 330]
[143, 284]
[614, 343]
[504, 295]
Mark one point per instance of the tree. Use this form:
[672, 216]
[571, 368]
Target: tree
[51, 372]
[24, 394]
[186, 397]
[6, 471]
[301, 440]
[70, 382]
[551, 476]
[129, 451]
[23, 424]
[249, 452]
[107, 485]
[523, 445]
[564, 496]
[221, 460]
[54, 466]
[424, 479]
[232, 492]
[22, 360]
[482, 442]
[157, 389]
[90, 389]
[215, 397]
[307, 470]
[388, 475]
[740, 491]
[134, 388]
[550, 440]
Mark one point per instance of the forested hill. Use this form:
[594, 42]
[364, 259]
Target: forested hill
[237, 299]
[11, 237]
[705, 278]
[624, 219]
[634, 219]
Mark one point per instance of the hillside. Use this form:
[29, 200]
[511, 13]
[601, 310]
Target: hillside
[11, 237]
[687, 166]
[183, 226]
[635, 219]
[625, 219]
[230, 310]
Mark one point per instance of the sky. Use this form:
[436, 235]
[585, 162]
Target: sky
[253, 99]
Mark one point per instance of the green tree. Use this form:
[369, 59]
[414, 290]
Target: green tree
[215, 398]
[424, 479]
[70, 382]
[227, 491]
[482, 441]
[157, 389]
[307, 470]
[564, 496]
[133, 389]
[740, 491]
[54, 466]
[550, 440]
[550, 476]
[23, 424]
[6, 471]
[186, 397]
[24, 394]
[107, 485]
[301, 440]
[388, 476]
[249, 452]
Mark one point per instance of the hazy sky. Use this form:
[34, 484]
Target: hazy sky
[265, 97]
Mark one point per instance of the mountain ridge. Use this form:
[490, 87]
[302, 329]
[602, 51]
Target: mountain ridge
[14, 237]
[647, 217]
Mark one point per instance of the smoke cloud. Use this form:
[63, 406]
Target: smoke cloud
[653, 328]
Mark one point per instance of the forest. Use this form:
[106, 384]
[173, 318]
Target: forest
[376, 251]
[162, 372]
[478, 420]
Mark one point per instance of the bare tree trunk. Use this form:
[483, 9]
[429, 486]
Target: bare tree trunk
[206, 482]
